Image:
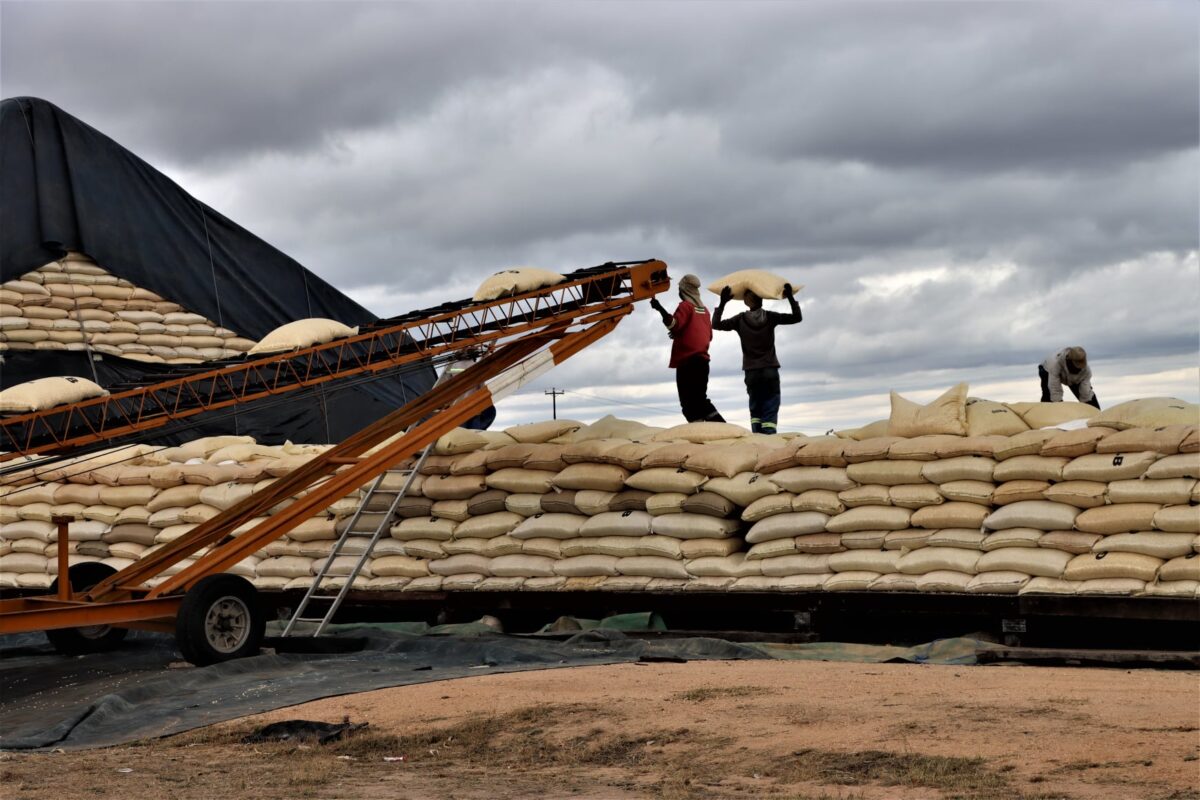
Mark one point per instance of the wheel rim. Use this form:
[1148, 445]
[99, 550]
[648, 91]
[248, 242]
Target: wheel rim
[94, 631]
[227, 624]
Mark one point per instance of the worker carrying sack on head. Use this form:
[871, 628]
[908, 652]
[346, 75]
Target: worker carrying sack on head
[690, 330]
[1068, 367]
[756, 328]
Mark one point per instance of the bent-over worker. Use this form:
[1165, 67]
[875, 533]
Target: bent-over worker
[1070, 367]
[690, 330]
[756, 328]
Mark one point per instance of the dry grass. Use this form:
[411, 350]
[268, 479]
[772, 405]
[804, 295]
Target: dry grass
[712, 692]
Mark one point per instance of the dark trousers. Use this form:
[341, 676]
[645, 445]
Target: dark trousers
[481, 421]
[1045, 378]
[762, 385]
[691, 379]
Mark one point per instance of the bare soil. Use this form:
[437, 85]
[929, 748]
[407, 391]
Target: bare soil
[705, 729]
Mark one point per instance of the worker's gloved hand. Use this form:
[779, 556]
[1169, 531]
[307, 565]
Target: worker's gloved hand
[657, 306]
[726, 295]
[788, 291]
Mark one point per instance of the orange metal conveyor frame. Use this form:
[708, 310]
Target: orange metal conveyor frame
[533, 343]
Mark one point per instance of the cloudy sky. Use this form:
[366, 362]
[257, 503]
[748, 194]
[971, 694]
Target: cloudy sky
[962, 188]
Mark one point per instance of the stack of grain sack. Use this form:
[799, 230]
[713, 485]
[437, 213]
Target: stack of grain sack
[75, 304]
[1011, 504]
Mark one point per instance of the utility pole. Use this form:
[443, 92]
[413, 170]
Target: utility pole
[554, 393]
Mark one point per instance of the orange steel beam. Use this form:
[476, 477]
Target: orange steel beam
[114, 601]
[381, 348]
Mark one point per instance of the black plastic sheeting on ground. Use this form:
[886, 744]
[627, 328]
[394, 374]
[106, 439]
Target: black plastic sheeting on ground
[142, 691]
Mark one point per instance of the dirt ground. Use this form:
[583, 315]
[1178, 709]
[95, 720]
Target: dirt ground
[704, 729]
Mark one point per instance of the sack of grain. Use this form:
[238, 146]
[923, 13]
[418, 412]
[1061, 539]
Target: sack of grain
[1150, 412]
[765, 284]
[522, 566]
[1030, 468]
[874, 448]
[1107, 468]
[488, 526]
[914, 496]
[857, 581]
[542, 432]
[424, 528]
[1159, 545]
[943, 581]
[517, 280]
[1069, 541]
[667, 480]
[1048, 415]
[947, 414]
[1010, 538]
[710, 503]
[795, 564]
[867, 518]
[1081, 494]
[949, 515]
[1165, 588]
[1120, 518]
[1165, 441]
[923, 448]
[1006, 582]
[1040, 514]
[1184, 465]
[821, 452]
[1112, 565]
[822, 500]
[549, 526]
[742, 489]
[300, 334]
[1170, 491]
[789, 525]
[1181, 568]
[610, 427]
[979, 492]
[880, 561]
[617, 523]
[732, 566]
[963, 468]
[1030, 561]
[1023, 444]
[596, 477]
[519, 481]
[701, 432]
[983, 446]
[693, 526]
[45, 393]
[704, 548]
[464, 564]
[802, 479]
[864, 540]
[932, 559]
[586, 566]
[966, 538]
[1178, 519]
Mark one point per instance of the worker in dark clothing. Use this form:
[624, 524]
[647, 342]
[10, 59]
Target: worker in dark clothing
[691, 332]
[756, 328]
[1069, 367]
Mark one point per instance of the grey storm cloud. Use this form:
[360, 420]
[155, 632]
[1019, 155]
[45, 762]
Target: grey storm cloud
[959, 185]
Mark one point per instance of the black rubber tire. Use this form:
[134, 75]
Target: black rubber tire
[92, 639]
[220, 619]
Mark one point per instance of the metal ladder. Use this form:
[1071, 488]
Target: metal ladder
[348, 533]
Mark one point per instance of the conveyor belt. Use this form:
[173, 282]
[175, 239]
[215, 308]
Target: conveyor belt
[387, 344]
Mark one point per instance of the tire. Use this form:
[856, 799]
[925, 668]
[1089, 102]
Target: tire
[92, 638]
[220, 619]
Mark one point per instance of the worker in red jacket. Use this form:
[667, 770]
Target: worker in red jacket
[690, 329]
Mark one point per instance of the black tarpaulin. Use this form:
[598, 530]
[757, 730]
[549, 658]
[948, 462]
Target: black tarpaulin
[66, 186]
